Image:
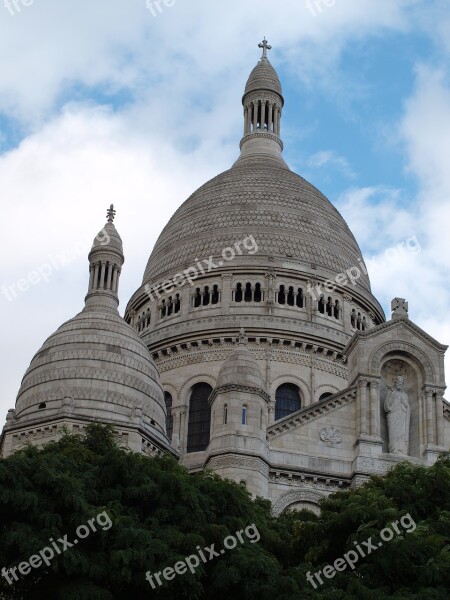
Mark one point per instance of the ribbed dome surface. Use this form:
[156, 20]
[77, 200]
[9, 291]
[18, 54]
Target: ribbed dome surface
[240, 368]
[288, 217]
[263, 77]
[107, 238]
[99, 361]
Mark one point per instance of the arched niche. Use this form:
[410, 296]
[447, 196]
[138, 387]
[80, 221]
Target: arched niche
[397, 364]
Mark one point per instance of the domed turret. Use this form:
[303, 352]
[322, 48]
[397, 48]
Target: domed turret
[93, 368]
[239, 406]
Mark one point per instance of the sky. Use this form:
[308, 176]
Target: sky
[138, 103]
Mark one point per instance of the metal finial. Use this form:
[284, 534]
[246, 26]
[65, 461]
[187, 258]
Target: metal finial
[111, 213]
[265, 46]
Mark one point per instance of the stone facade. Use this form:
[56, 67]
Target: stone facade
[277, 364]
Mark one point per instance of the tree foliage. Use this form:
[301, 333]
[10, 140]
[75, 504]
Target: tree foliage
[160, 515]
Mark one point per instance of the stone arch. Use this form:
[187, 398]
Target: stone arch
[168, 387]
[185, 388]
[323, 389]
[303, 386]
[415, 353]
[293, 497]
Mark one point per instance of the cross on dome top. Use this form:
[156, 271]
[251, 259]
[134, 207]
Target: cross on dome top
[265, 46]
[111, 213]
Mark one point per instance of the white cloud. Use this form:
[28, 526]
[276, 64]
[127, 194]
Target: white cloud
[381, 218]
[329, 158]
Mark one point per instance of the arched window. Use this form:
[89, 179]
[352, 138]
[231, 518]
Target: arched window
[238, 293]
[258, 294]
[287, 400]
[321, 305]
[291, 297]
[215, 295]
[177, 303]
[330, 306]
[300, 298]
[206, 296]
[170, 306]
[197, 298]
[336, 309]
[325, 395]
[248, 292]
[353, 318]
[199, 418]
[163, 309]
[281, 295]
[169, 415]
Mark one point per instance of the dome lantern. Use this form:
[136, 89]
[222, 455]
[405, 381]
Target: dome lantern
[263, 103]
[105, 264]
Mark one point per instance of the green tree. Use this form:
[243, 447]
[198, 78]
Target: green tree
[160, 514]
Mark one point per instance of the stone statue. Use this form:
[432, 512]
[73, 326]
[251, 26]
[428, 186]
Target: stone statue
[398, 412]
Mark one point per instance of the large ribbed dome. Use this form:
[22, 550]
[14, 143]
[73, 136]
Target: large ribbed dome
[289, 218]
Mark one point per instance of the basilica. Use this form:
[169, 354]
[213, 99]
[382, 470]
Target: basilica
[253, 346]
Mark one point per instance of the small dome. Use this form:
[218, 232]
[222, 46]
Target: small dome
[108, 239]
[241, 368]
[264, 77]
[100, 362]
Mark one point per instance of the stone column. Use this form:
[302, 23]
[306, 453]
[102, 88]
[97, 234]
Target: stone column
[185, 296]
[226, 294]
[275, 120]
[362, 392]
[115, 279]
[102, 276]
[96, 270]
[270, 123]
[91, 277]
[346, 312]
[429, 413]
[374, 409]
[109, 280]
[440, 418]
[313, 382]
[255, 116]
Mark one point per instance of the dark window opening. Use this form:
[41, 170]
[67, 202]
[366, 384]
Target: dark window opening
[238, 293]
[248, 292]
[197, 298]
[291, 297]
[321, 305]
[287, 400]
[199, 418]
[169, 415]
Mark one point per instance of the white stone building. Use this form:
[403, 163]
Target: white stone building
[276, 368]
